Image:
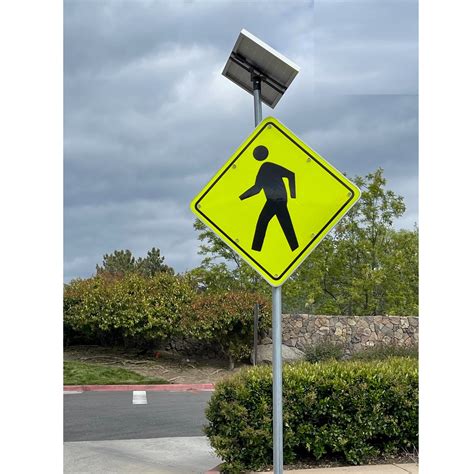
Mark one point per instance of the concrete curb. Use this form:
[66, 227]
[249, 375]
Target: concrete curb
[189, 387]
[409, 468]
[215, 470]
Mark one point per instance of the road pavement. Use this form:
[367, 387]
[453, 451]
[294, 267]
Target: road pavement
[94, 416]
[106, 432]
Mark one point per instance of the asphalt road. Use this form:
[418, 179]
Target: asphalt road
[94, 416]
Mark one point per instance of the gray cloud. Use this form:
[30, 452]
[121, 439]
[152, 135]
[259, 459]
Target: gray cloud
[149, 118]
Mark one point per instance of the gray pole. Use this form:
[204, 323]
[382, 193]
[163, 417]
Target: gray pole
[276, 329]
[257, 97]
[257, 108]
[277, 382]
[255, 333]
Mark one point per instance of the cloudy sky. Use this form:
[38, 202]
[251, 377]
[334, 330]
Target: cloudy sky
[148, 117]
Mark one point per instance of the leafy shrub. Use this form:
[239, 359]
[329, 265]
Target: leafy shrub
[132, 310]
[226, 319]
[382, 352]
[341, 410]
[324, 350]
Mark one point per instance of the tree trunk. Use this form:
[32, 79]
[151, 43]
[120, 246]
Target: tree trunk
[231, 363]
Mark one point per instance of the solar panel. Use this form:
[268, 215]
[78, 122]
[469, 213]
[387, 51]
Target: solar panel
[251, 54]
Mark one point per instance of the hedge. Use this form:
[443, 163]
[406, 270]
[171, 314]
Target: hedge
[139, 311]
[347, 411]
[226, 320]
[131, 310]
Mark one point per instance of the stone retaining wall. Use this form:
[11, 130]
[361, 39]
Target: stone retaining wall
[300, 330]
[355, 332]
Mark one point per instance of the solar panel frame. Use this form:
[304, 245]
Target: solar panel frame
[252, 54]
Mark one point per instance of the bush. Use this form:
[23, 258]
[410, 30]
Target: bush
[324, 350]
[348, 411]
[132, 310]
[226, 319]
[382, 352]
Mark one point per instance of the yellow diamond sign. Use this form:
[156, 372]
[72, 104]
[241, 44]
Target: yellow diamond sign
[274, 200]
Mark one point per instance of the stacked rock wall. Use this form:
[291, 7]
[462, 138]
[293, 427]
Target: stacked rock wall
[301, 330]
[355, 332]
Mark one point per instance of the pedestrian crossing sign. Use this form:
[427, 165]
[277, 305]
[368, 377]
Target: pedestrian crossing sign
[274, 200]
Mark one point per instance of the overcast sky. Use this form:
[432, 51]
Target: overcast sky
[148, 117]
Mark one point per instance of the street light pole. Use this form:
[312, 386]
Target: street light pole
[276, 325]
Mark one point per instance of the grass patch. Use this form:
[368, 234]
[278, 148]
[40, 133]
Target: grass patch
[81, 373]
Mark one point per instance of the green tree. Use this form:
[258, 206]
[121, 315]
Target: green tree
[153, 264]
[214, 277]
[119, 263]
[222, 269]
[122, 262]
[364, 267]
[401, 270]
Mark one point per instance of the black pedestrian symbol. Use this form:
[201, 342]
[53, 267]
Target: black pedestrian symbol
[270, 179]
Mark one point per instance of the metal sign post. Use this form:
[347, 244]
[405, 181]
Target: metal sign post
[276, 328]
[277, 382]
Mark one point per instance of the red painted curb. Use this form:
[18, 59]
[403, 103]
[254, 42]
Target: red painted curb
[193, 387]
